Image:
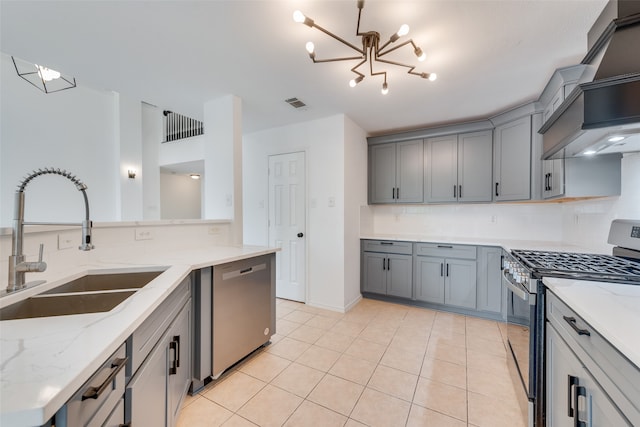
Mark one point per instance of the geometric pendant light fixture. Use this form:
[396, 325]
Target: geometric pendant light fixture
[45, 79]
[371, 50]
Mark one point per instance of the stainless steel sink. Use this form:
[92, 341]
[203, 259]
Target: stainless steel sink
[61, 305]
[93, 293]
[106, 282]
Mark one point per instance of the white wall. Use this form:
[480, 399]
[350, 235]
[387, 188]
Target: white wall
[73, 130]
[179, 197]
[151, 141]
[355, 196]
[129, 124]
[323, 141]
[587, 223]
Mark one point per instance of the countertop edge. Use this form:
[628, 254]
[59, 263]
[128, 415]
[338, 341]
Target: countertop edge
[176, 273]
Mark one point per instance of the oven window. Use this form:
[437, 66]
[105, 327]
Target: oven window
[518, 333]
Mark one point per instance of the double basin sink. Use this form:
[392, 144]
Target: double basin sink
[92, 293]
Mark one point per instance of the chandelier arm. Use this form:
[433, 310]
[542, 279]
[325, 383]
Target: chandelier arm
[354, 69]
[379, 53]
[358, 33]
[349, 58]
[341, 40]
[410, 67]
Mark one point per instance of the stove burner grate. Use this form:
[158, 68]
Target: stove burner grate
[580, 265]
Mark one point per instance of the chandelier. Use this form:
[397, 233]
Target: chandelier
[45, 79]
[371, 50]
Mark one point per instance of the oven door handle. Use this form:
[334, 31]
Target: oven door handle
[520, 293]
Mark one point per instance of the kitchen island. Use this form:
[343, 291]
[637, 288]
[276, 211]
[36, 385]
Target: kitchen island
[43, 361]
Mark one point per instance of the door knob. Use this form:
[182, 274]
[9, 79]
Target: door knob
[300, 234]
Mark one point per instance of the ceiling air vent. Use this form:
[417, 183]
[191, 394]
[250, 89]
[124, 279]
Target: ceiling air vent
[295, 102]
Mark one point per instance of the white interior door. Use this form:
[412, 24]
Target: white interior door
[287, 223]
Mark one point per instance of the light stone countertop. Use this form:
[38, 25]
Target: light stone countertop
[612, 309]
[44, 361]
[507, 244]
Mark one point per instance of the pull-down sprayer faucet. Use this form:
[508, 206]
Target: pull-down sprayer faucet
[17, 265]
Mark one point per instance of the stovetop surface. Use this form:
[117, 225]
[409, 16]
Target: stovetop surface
[580, 266]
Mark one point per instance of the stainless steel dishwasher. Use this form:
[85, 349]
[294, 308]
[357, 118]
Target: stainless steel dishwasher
[243, 314]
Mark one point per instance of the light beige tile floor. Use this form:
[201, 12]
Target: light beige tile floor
[380, 364]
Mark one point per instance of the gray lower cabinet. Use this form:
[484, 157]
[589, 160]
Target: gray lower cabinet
[387, 268]
[489, 279]
[99, 401]
[572, 393]
[156, 391]
[448, 279]
[161, 368]
[588, 382]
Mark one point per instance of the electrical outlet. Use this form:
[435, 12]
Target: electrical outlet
[65, 241]
[494, 219]
[144, 234]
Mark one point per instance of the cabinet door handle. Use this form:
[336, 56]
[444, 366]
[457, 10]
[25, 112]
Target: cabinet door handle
[441, 269]
[572, 322]
[388, 264]
[580, 391]
[455, 191]
[397, 193]
[383, 261]
[497, 194]
[447, 269]
[550, 181]
[571, 382]
[174, 346]
[95, 392]
[460, 191]
[393, 193]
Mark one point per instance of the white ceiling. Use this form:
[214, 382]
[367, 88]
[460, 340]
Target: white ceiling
[489, 55]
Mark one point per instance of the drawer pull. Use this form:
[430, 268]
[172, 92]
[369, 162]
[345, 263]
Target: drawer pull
[386, 243]
[445, 246]
[174, 346]
[572, 322]
[246, 270]
[580, 391]
[571, 381]
[95, 392]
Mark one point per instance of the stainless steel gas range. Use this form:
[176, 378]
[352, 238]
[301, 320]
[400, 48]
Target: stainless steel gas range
[523, 271]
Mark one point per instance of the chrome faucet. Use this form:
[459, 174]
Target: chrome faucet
[17, 264]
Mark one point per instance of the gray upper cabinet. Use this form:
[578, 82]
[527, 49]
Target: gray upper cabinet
[553, 178]
[396, 172]
[458, 168]
[441, 175]
[512, 160]
[594, 176]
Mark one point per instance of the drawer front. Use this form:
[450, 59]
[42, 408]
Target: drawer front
[618, 376]
[147, 335]
[388, 246]
[446, 250]
[96, 399]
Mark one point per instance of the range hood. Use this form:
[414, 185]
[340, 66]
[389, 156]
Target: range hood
[605, 105]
